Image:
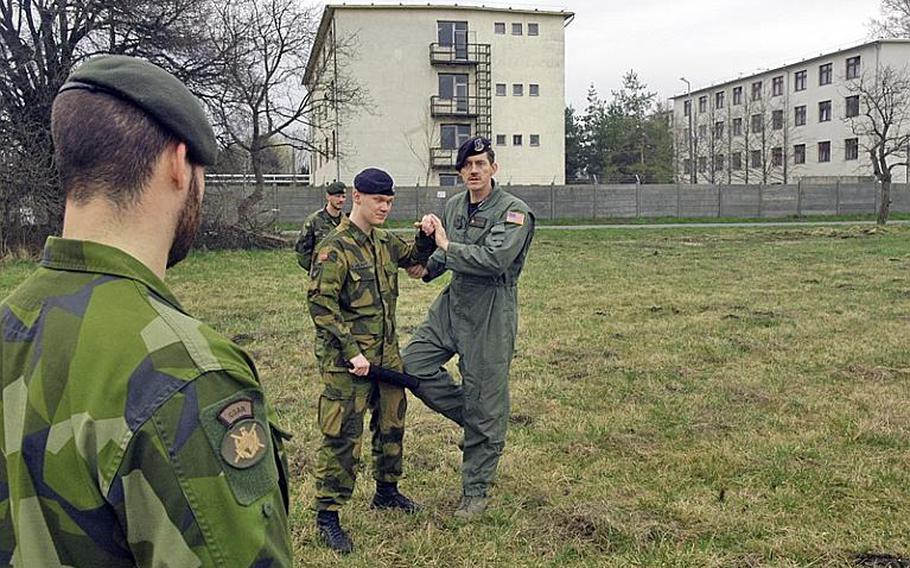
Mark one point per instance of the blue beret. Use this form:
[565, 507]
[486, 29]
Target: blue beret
[471, 147]
[374, 181]
[154, 91]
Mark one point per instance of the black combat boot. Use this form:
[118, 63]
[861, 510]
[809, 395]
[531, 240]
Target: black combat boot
[331, 532]
[388, 497]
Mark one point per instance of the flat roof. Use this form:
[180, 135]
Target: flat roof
[329, 10]
[745, 78]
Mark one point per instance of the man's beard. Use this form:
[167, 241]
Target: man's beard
[187, 224]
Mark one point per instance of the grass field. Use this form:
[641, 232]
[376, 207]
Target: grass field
[687, 397]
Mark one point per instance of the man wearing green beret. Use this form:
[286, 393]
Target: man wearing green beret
[134, 435]
[487, 236]
[352, 296]
[320, 223]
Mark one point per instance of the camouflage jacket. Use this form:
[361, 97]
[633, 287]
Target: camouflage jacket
[315, 228]
[132, 434]
[353, 292]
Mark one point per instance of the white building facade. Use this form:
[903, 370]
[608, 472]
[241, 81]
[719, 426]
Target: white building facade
[430, 77]
[784, 125]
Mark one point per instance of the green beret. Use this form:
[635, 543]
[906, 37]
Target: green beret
[335, 188]
[157, 93]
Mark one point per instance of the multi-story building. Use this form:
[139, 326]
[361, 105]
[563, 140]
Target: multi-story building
[786, 124]
[402, 86]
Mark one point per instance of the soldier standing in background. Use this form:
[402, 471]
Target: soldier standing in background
[475, 317]
[319, 224]
[353, 293]
[134, 435]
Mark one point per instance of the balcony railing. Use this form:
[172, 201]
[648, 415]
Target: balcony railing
[443, 158]
[466, 106]
[460, 54]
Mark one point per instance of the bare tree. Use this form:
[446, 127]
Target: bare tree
[883, 125]
[40, 42]
[894, 21]
[421, 141]
[261, 103]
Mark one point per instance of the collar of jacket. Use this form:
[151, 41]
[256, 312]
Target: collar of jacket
[87, 256]
[362, 238]
[495, 193]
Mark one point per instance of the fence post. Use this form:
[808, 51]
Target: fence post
[678, 206]
[552, 202]
[799, 198]
[761, 197]
[637, 199]
[720, 200]
[594, 189]
[417, 200]
[837, 197]
[875, 192]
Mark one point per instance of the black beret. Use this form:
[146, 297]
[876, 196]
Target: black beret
[374, 181]
[335, 188]
[471, 147]
[154, 91]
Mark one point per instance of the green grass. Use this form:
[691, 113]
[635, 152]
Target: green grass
[684, 397]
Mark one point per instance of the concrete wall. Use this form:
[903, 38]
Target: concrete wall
[291, 203]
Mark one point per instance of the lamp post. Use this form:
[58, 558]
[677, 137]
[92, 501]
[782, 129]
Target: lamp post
[689, 132]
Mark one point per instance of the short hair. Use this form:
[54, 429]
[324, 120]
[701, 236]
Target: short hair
[104, 146]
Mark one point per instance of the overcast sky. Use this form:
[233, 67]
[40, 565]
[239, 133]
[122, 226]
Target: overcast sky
[706, 41]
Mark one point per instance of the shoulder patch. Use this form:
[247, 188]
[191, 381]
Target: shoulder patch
[244, 444]
[515, 217]
[236, 411]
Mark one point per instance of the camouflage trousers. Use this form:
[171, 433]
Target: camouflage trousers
[342, 405]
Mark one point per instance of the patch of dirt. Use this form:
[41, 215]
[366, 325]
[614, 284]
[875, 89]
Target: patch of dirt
[880, 560]
[873, 373]
[243, 338]
[521, 420]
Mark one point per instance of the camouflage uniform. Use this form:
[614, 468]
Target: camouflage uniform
[132, 434]
[475, 317]
[352, 295]
[315, 228]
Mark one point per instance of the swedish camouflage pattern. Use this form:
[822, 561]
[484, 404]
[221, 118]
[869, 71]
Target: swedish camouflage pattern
[352, 300]
[315, 228]
[111, 445]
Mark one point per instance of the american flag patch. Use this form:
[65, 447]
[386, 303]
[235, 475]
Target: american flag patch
[515, 217]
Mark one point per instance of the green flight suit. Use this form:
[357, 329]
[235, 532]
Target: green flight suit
[352, 296]
[475, 317]
[315, 228]
[133, 435]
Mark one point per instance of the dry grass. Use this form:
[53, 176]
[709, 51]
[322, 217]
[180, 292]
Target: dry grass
[680, 398]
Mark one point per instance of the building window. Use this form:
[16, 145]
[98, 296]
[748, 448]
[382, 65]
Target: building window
[777, 119]
[851, 105]
[799, 80]
[824, 74]
[452, 136]
[534, 140]
[533, 29]
[533, 90]
[687, 108]
[500, 89]
[824, 151]
[851, 149]
[719, 99]
[755, 158]
[718, 162]
[737, 95]
[702, 164]
[452, 34]
[516, 29]
[799, 153]
[824, 111]
[852, 67]
[756, 90]
[757, 123]
[702, 103]
[737, 127]
[799, 115]
[777, 156]
[736, 161]
[448, 180]
[516, 140]
[517, 89]
[500, 139]
[702, 131]
[499, 28]
[777, 86]
[719, 129]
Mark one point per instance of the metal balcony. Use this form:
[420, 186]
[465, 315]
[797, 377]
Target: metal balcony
[443, 158]
[466, 107]
[461, 54]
